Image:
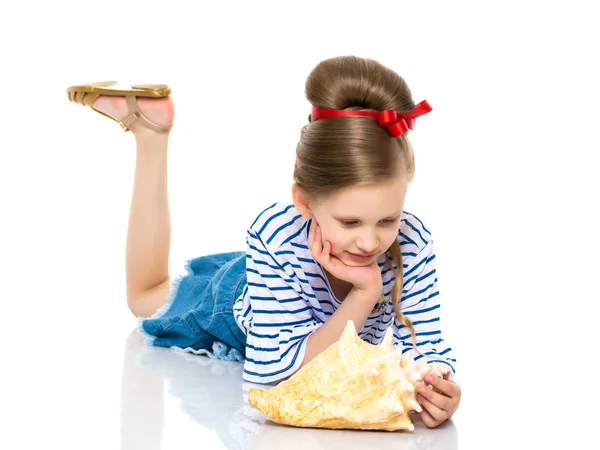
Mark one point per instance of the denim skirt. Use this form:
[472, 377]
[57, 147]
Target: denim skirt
[198, 315]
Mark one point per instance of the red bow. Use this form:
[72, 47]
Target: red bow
[395, 123]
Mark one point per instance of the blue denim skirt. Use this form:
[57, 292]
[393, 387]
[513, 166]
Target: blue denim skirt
[198, 315]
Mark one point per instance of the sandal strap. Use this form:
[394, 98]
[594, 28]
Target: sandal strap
[135, 114]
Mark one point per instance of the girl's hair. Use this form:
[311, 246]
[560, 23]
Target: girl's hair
[347, 151]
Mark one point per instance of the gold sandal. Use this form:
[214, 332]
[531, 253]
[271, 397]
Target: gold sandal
[86, 94]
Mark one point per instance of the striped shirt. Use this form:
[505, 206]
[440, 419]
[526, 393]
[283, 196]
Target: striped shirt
[287, 296]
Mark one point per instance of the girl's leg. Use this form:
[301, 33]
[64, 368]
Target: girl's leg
[149, 229]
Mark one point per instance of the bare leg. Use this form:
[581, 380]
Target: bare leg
[149, 229]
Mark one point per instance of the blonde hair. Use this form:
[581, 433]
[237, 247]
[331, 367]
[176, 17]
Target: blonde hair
[339, 152]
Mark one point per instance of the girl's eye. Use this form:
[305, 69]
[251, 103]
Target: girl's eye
[349, 223]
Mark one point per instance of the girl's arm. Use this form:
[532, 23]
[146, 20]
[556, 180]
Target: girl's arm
[421, 304]
[356, 307]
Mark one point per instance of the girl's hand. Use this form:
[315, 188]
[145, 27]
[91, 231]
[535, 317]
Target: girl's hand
[439, 401]
[367, 278]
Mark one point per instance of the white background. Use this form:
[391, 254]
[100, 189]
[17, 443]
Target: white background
[507, 182]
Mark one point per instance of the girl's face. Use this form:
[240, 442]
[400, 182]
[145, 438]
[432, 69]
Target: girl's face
[362, 220]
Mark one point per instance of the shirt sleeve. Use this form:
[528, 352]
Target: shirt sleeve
[282, 317]
[420, 303]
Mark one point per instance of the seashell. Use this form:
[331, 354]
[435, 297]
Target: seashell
[350, 385]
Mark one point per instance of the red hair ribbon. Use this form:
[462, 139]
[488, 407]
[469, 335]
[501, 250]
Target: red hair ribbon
[395, 123]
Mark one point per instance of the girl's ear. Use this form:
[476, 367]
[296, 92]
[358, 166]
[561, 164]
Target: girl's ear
[300, 200]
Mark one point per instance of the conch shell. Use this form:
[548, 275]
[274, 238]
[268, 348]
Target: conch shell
[350, 385]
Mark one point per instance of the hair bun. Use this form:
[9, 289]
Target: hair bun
[347, 82]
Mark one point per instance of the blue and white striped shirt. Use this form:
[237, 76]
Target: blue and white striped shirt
[288, 297]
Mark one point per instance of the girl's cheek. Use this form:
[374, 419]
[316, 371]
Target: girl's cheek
[325, 237]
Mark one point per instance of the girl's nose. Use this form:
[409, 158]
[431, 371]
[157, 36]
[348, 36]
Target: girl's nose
[368, 243]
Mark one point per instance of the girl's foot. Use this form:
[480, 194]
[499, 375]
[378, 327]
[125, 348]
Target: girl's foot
[160, 111]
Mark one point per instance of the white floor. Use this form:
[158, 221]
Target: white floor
[171, 396]
[108, 390]
[111, 391]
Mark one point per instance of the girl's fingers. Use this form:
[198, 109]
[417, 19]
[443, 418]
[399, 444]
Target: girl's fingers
[437, 413]
[442, 385]
[315, 244]
[429, 421]
[319, 240]
[327, 249]
[328, 259]
[437, 398]
[321, 251]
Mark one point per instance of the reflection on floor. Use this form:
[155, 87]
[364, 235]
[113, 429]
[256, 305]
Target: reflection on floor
[212, 393]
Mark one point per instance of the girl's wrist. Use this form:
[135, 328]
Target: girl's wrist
[368, 294]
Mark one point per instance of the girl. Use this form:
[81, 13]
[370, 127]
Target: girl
[343, 249]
